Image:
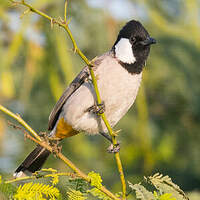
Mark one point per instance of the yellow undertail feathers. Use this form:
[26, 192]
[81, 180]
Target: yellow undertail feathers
[64, 130]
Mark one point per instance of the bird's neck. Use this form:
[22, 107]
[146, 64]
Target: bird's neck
[133, 68]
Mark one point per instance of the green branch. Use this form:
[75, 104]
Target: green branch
[21, 121]
[55, 151]
[35, 176]
[64, 24]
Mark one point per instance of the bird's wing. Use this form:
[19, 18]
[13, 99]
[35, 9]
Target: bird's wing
[75, 84]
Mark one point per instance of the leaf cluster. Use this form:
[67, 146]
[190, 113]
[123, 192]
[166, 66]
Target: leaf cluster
[7, 190]
[165, 189]
[78, 189]
[36, 191]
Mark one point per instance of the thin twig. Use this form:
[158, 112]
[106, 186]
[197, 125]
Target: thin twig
[38, 177]
[64, 24]
[21, 121]
[52, 150]
[65, 14]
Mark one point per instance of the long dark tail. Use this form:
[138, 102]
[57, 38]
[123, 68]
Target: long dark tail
[33, 162]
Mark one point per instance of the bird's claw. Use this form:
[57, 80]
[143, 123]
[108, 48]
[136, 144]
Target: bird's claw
[97, 109]
[114, 148]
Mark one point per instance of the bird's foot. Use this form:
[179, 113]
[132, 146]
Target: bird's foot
[56, 149]
[114, 148]
[97, 109]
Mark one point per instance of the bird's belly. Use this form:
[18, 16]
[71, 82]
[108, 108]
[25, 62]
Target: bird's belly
[118, 92]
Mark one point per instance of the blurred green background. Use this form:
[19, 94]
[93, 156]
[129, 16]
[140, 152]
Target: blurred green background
[160, 133]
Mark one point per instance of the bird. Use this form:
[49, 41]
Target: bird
[119, 75]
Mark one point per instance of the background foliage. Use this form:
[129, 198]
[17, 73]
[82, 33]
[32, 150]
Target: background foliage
[160, 132]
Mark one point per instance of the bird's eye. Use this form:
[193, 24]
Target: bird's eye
[132, 40]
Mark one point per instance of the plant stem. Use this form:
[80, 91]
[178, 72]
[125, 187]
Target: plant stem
[64, 24]
[21, 121]
[65, 13]
[56, 152]
[42, 176]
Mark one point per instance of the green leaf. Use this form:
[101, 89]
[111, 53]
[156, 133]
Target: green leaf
[95, 179]
[166, 196]
[55, 179]
[7, 189]
[36, 191]
[75, 195]
[80, 184]
[97, 193]
[165, 185]
[141, 192]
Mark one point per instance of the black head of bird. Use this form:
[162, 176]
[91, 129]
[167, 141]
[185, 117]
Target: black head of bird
[132, 46]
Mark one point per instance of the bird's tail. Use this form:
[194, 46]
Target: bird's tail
[33, 162]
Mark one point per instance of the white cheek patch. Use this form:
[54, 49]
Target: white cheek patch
[123, 51]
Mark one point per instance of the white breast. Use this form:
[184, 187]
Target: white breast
[118, 89]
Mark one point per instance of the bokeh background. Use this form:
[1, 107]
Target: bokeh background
[160, 133]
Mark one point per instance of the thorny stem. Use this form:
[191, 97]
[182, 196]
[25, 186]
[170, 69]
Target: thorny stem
[42, 176]
[64, 24]
[21, 121]
[56, 152]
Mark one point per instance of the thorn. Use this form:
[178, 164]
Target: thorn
[116, 133]
[74, 50]
[18, 115]
[61, 20]
[68, 21]
[25, 13]
[92, 62]
[14, 3]
[52, 22]
[94, 59]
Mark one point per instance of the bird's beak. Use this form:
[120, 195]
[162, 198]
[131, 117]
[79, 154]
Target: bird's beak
[148, 41]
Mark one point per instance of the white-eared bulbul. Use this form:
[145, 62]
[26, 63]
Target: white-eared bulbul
[118, 72]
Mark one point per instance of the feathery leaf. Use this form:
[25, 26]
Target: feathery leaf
[36, 191]
[76, 195]
[141, 192]
[165, 185]
[97, 193]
